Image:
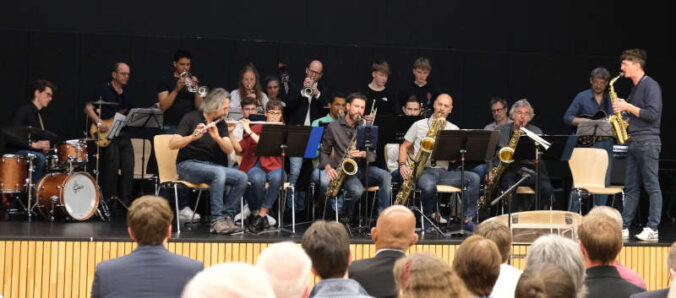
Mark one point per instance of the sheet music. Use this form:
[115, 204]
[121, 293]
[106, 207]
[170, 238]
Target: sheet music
[118, 123]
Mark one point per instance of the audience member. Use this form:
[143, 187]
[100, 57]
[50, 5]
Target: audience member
[477, 262]
[626, 273]
[393, 234]
[150, 270]
[668, 292]
[601, 242]
[288, 268]
[502, 236]
[560, 251]
[328, 245]
[424, 275]
[229, 280]
[545, 280]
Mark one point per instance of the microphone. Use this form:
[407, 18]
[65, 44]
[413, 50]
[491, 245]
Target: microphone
[527, 171]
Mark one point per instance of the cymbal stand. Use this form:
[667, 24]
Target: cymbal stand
[30, 157]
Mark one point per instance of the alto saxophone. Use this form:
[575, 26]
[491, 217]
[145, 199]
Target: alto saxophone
[347, 167]
[426, 146]
[505, 155]
[619, 125]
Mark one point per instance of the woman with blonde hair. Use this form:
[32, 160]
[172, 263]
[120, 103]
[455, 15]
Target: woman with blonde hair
[426, 275]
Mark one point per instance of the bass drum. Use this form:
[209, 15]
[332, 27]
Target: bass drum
[68, 195]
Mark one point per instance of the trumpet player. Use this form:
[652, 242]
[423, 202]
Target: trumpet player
[437, 173]
[174, 98]
[338, 137]
[249, 86]
[306, 105]
[643, 107]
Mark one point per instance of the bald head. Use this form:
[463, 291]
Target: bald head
[315, 70]
[443, 105]
[395, 228]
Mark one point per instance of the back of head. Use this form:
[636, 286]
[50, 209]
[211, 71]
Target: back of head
[149, 218]
[288, 268]
[498, 233]
[232, 280]
[328, 246]
[560, 251]
[545, 280]
[426, 275]
[601, 238]
[395, 228]
[607, 211]
[477, 262]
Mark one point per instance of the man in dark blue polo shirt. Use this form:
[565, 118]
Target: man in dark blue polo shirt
[589, 102]
[119, 154]
[643, 107]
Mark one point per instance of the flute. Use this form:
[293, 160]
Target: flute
[204, 129]
[230, 121]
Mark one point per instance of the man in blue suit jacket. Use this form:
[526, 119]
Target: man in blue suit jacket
[150, 270]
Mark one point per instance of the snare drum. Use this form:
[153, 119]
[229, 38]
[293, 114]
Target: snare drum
[74, 151]
[69, 195]
[12, 173]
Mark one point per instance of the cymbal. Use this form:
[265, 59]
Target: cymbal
[102, 102]
[36, 133]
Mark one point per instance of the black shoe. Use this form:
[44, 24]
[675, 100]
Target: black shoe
[258, 224]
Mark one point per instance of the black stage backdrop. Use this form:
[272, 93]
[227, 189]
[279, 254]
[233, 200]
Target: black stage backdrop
[540, 50]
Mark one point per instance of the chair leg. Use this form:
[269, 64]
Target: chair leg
[422, 219]
[579, 201]
[194, 210]
[241, 211]
[178, 221]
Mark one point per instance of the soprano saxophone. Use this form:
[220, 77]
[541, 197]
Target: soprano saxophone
[618, 124]
[505, 155]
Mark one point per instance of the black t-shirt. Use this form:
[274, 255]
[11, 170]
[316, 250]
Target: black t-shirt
[385, 101]
[106, 92]
[26, 115]
[425, 94]
[183, 104]
[205, 148]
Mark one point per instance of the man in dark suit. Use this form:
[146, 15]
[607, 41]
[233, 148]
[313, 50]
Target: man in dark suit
[393, 234]
[671, 263]
[601, 241]
[150, 270]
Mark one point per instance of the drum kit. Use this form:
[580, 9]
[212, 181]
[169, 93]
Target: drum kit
[67, 191]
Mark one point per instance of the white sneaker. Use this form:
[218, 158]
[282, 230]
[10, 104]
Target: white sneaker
[246, 212]
[648, 234]
[271, 220]
[625, 234]
[442, 220]
[186, 214]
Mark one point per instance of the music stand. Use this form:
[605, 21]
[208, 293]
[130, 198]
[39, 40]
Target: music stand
[455, 144]
[143, 120]
[282, 140]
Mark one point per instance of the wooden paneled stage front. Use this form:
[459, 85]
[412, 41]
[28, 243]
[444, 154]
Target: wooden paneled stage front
[55, 268]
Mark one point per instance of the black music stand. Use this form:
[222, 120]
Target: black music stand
[147, 122]
[367, 136]
[283, 141]
[455, 144]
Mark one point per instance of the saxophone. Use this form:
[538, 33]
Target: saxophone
[347, 165]
[619, 125]
[426, 146]
[505, 155]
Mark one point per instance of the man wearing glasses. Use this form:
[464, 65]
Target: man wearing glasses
[499, 112]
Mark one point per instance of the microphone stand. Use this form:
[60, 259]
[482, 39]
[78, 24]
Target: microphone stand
[509, 198]
[368, 147]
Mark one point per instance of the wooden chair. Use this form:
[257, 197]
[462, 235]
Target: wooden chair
[142, 152]
[588, 167]
[166, 165]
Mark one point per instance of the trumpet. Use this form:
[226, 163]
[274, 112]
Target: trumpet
[191, 85]
[308, 91]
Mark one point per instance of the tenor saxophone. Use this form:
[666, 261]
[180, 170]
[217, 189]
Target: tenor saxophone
[426, 146]
[505, 155]
[618, 124]
[347, 167]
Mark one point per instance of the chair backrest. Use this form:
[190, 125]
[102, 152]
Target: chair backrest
[588, 167]
[166, 158]
[140, 157]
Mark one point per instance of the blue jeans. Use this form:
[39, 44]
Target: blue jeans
[354, 189]
[599, 200]
[295, 164]
[642, 166]
[481, 171]
[38, 163]
[430, 177]
[217, 176]
[257, 196]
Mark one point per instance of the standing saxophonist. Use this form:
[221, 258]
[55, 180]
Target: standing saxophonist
[337, 138]
[644, 112]
[521, 113]
[437, 172]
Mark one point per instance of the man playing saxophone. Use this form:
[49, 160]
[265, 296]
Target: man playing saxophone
[521, 113]
[436, 172]
[338, 137]
[644, 112]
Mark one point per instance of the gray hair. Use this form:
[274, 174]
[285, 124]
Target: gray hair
[229, 280]
[560, 251]
[288, 268]
[521, 103]
[214, 100]
[671, 261]
[607, 211]
[600, 73]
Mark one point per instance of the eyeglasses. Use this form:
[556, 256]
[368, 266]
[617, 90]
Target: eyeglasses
[314, 72]
[274, 113]
[497, 110]
[522, 113]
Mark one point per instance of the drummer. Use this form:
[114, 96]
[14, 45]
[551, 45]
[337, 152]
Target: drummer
[119, 154]
[31, 114]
